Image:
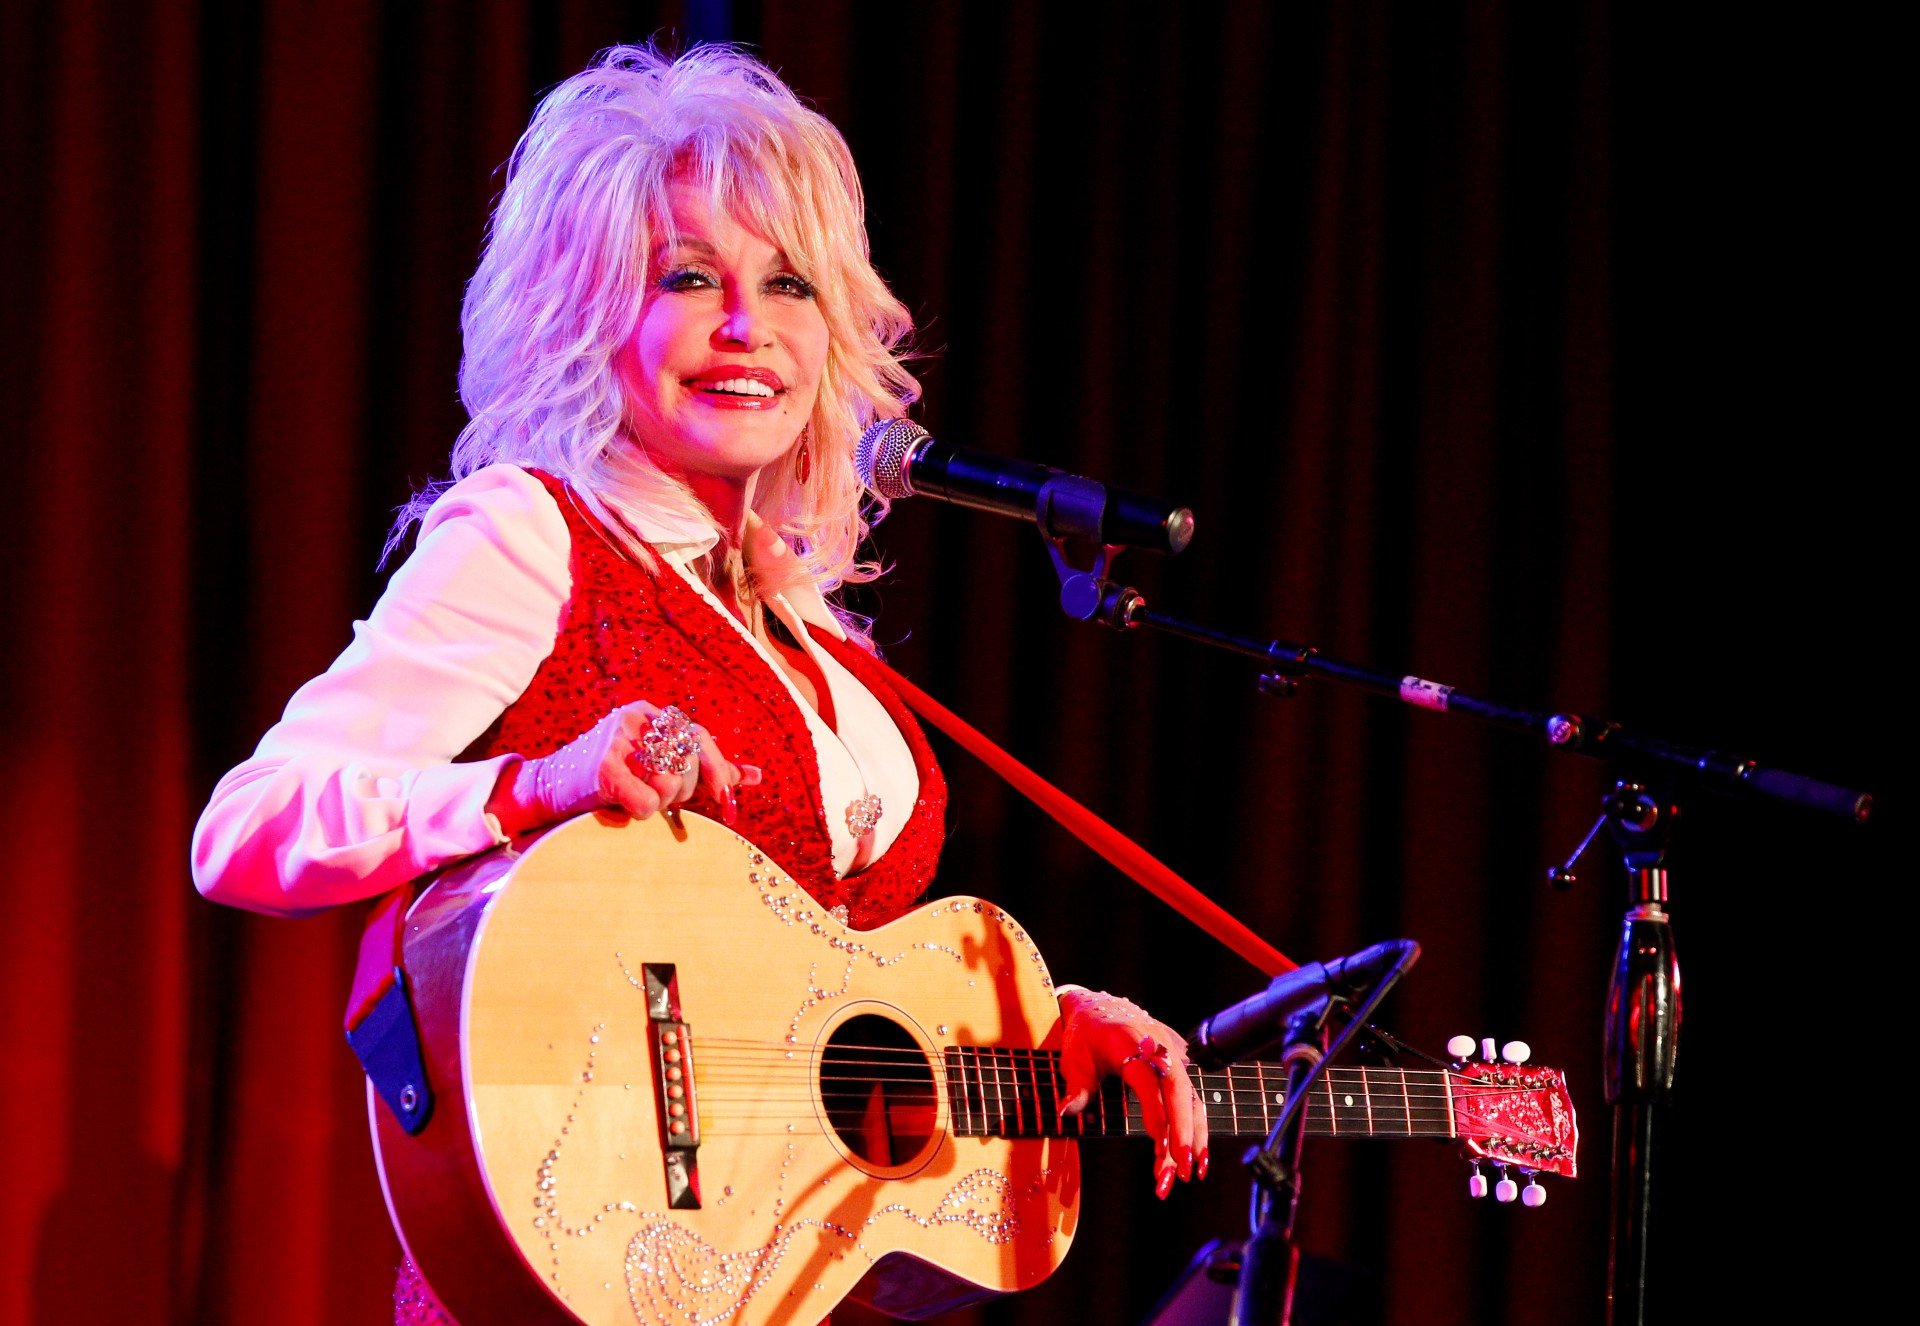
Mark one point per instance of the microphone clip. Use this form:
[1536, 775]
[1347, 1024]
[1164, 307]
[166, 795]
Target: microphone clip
[1086, 595]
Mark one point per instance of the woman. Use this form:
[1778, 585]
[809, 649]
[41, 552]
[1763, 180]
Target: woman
[671, 344]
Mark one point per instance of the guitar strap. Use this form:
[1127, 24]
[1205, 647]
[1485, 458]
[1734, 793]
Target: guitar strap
[1089, 828]
[380, 1025]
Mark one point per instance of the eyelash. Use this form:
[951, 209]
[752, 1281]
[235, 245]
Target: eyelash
[690, 277]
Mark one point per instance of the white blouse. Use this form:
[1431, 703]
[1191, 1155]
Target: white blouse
[355, 790]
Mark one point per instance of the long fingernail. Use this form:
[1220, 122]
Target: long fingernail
[1203, 1164]
[1163, 1185]
[750, 775]
[729, 806]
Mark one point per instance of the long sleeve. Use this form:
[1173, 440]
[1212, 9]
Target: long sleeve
[355, 790]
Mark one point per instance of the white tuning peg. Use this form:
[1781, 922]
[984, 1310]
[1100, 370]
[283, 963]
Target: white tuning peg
[1505, 1190]
[1460, 1047]
[1477, 1182]
[1533, 1194]
[1516, 1052]
[1486, 1049]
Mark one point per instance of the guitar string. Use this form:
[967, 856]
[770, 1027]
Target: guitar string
[736, 1050]
[721, 1071]
[1385, 1083]
[711, 1074]
[1384, 1098]
[985, 1091]
[893, 1053]
[1000, 1071]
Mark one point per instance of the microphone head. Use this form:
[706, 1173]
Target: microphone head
[880, 456]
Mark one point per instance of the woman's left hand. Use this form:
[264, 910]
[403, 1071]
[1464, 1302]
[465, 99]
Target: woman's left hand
[1104, 1034]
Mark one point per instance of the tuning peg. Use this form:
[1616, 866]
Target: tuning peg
[1533, 1194]
[1461, 1047]
[1505, 1190]
[1516, 1052]
[1477, 1182]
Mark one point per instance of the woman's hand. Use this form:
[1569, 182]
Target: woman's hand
[1104, 1034]
[639, 758]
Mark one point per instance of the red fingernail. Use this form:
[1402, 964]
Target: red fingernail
[1163, 1185]
[729, 806]
[1203, 1164]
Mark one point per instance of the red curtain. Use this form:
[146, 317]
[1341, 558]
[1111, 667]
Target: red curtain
[1532, 349]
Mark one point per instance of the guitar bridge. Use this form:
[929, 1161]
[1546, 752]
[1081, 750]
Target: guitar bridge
[673, 1086]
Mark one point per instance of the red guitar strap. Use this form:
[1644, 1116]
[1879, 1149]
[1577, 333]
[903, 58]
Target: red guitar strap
[1088, 827]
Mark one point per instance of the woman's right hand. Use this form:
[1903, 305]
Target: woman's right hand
[639, 758]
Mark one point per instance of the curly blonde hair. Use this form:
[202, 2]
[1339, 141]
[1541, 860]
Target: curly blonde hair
[559, 289]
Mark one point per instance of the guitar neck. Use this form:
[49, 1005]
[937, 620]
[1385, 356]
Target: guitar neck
[998, 1092]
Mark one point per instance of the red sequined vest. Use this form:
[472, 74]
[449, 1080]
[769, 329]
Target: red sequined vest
[632, 635]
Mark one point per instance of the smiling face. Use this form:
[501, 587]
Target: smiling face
[723, 370]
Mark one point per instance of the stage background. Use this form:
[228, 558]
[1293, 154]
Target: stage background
[1544, 350]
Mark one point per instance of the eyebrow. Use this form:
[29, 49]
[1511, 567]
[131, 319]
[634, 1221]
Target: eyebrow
[683, 244]
[704, 249]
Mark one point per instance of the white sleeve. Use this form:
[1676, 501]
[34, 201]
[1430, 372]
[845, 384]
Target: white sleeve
[353, 792]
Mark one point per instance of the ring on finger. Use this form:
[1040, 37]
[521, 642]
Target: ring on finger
[671, 743]
[1152, 1054]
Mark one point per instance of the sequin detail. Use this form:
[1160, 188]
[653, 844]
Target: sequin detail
[630, 635]
[413, 1303]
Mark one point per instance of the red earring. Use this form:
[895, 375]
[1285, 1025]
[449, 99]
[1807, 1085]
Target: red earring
[804, 465]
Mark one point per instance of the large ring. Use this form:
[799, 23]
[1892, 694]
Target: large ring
[1151, 1053]
[671, 744]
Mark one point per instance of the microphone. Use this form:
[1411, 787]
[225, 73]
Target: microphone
[1255, 1023]
[898, 458]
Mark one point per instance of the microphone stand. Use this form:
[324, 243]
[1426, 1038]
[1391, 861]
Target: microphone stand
[1643, 993]
[1270, 1260]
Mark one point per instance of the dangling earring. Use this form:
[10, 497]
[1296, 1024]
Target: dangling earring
[803, 465]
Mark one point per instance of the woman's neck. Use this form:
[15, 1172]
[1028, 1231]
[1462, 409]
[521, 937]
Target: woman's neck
[728, 499]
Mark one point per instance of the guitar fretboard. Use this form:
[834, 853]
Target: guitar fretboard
[1001, 1092]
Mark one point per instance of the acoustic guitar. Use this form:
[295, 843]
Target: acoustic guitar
[672, 1088]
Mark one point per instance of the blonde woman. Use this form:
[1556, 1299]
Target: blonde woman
[622, 597]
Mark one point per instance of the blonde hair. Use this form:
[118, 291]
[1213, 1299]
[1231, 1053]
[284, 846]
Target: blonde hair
[559, 289]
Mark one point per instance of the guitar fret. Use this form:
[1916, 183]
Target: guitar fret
[1019, 1097]
[1033, 1082]
[970, 1092]
[1022, 1106]
[1020, 1102]
[956, 1091]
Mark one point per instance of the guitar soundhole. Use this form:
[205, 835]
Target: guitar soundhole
[878, 1090]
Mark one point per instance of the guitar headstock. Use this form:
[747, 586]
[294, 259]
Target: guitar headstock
[1512, 1114]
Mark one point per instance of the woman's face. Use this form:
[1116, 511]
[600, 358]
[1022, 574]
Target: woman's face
[722, 372]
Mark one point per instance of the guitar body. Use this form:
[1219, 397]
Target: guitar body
[566, 989]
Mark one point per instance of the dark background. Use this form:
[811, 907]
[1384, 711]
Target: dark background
[1548, 351]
